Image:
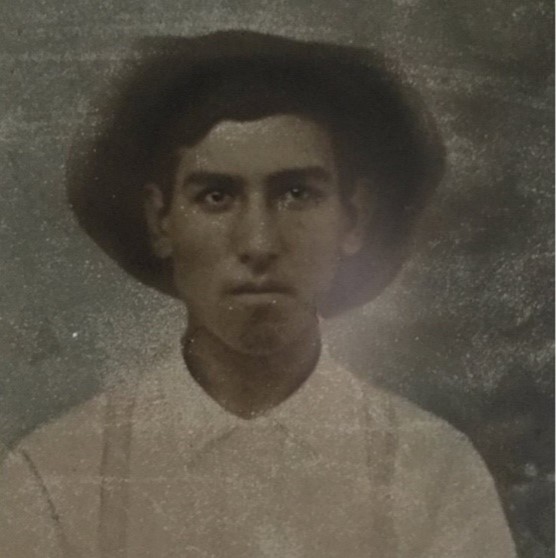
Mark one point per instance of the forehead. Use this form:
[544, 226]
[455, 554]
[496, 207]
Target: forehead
[261, 146]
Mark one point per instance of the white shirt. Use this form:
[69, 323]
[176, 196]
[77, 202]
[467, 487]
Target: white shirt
[338, 469]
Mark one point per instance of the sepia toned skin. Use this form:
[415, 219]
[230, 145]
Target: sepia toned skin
[256, 230]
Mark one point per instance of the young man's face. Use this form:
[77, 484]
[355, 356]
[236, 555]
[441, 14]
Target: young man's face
[256, 228]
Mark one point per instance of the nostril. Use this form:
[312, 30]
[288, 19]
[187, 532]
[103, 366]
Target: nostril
[258, 261]
[252, 256]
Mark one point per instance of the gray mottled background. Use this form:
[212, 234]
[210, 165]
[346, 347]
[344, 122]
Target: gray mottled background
[467, 329]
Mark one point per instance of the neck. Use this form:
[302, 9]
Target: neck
[248, 385]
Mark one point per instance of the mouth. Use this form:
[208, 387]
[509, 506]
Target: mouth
[260, 288]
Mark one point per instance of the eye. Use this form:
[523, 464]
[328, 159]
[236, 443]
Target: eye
[214, 198]
[299, 196]
[297, 193]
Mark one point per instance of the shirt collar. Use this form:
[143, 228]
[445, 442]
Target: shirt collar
[325, 414]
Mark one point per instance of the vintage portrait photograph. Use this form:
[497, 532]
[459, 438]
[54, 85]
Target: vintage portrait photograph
[277, 279]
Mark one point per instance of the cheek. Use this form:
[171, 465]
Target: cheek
[198, 250]
[316, 247]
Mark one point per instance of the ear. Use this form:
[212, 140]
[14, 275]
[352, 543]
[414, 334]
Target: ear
[158, 222]
[360, 214]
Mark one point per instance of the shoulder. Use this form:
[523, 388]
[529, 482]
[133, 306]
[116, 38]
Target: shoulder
[386, 414]
[418, 432]
[65, 445]
[442, 491]
[72, 443]
[425, 447]
[51, 478]
[417, 444]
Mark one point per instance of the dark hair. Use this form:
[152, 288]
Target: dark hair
[177, 93]
[244, 89]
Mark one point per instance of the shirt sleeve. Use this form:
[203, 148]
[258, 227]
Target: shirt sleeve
[447, 502]
[28, 525]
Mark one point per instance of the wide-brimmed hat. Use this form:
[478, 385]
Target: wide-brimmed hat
[397, 140]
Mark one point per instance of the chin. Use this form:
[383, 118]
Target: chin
[261, 341]
[264, 333]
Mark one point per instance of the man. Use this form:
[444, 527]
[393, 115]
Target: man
[265, 183]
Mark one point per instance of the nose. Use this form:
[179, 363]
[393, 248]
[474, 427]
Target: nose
[256, 235]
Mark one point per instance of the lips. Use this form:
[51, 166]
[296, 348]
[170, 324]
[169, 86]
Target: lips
[263, 287]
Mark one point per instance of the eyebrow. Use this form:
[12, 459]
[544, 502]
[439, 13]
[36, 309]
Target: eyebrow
[203, 178]
[315, 173]
[207, 178]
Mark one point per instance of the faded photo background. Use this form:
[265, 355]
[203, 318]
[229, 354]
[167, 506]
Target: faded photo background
[466, 331]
